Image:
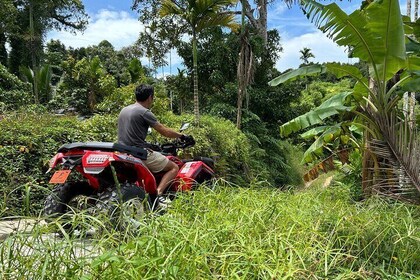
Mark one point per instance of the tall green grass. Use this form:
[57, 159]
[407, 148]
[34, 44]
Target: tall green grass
[233, 233]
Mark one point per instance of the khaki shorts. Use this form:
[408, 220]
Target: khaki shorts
[155, 161]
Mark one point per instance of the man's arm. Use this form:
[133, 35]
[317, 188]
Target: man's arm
[166, 131]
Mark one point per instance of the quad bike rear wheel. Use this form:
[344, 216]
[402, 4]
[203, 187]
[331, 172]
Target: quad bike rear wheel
[58, 202]
[65, 201]
[127, 207]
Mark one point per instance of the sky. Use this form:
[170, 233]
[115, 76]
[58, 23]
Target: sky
[113, 20]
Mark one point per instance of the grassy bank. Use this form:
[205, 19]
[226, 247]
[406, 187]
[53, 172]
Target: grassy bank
[237, 233]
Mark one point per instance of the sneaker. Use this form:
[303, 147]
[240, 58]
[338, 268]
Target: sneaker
[164, 202]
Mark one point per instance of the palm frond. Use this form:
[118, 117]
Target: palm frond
[169, 7]
[202, 6]
[27, 74]
[218, 19]
[397, 171]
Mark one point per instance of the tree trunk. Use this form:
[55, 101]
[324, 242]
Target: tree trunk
[262, 21]
[412, 104]
[91, 100]
[409, 100]
[195, 77]
[3, 52]
[409, 8]
[244, 74]
[245, 68]
[33, 50]
[241, 88]
[239, 107]
[368, 164]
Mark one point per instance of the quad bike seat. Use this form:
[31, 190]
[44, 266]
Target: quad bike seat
[140, 153]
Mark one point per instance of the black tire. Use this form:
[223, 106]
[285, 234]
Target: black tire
[57, 203]
[127, 208]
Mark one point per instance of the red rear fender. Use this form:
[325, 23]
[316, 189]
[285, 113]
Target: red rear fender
[145, 177]
[55, 160]
[188, 174]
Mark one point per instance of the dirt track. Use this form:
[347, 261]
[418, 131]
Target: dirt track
[10, 227]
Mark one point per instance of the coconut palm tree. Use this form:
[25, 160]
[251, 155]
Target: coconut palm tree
[199, 15]
[376, 35]
[306, 55]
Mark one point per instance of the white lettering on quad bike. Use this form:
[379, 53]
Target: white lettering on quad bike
[97, 159]
[186, 167]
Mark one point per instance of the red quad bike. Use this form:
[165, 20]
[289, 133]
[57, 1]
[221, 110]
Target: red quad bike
[115, 172]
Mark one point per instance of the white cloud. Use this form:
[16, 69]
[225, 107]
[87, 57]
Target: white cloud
[277, 11]
[118, 27]
[324, 50]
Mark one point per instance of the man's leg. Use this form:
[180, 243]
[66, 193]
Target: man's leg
[171, 171]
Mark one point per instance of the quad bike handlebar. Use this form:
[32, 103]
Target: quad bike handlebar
[183, 142]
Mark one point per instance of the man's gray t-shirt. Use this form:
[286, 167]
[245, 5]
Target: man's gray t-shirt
[133, 123]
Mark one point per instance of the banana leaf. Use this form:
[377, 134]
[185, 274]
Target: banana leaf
[412, 46]
[296, 73]
[336, 69]
[412, 86]
[327, 136]
[313, 132]
[333, 106]
[375, 33]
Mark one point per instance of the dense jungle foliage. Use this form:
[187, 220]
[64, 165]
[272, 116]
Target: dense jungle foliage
[89, 86]
[32, 134]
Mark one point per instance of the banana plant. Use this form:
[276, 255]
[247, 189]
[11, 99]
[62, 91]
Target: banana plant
[376, 34]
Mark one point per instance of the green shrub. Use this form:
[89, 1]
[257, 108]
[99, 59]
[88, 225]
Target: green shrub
[13, 92]
[83, 86]
[114, 102]
[351, 174]
[27, 142]
[216, 138]
[124, 96]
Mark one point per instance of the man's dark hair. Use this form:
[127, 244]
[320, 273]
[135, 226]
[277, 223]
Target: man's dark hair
[143, 92]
